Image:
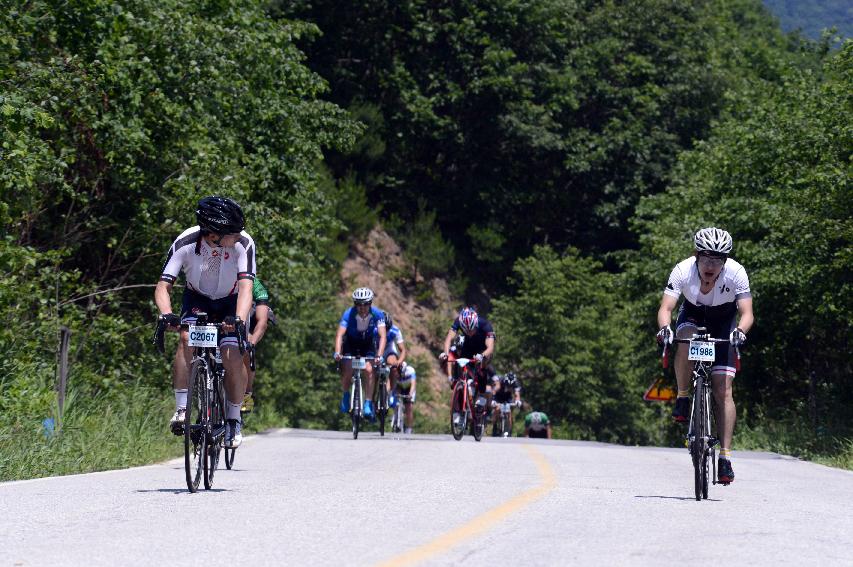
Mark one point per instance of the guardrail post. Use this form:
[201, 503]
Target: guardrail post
[62, 368]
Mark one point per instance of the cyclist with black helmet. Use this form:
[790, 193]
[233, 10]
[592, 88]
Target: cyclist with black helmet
[394, 354]
[357, 329]
[474, 338]
[217, 258]
[507, 389]
[716, 289]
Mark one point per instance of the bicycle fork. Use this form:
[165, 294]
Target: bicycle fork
[356, 386]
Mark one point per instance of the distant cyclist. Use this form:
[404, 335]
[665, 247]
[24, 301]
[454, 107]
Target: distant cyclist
[715, 289]
[259, 319]
[394, 353]
[218, 259]
[408, 385]
[474, 338]
[537, 424]
[507, 390]
[355, 337]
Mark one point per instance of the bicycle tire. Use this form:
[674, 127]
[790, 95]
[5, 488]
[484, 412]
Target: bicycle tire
[457, 412]
[229, 457]
[355, 410]
[195, 438]
[397, 419]
[478, 422]
[504, 425]
[382, 410]
[217, 421]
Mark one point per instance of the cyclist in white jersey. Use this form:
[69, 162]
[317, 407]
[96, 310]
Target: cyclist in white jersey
[217, 258]
[715, 289]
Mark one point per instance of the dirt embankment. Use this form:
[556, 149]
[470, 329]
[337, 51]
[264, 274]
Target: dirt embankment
[378, 263]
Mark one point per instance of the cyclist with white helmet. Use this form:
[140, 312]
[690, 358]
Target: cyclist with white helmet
[474, 338]
[715, 289]
[408, 384]
[357, 328]
[217, 258]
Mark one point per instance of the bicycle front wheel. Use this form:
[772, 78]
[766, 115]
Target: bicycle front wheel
[195, 425]
[229, 457]
[217, 423]
[382, 410]
[355, 410]
[457, 411]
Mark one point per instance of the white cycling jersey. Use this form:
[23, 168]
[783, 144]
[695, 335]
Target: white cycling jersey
[395, 338]
[732, 284]
[213, 272]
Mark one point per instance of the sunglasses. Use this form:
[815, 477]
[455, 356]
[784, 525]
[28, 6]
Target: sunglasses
[712, 260]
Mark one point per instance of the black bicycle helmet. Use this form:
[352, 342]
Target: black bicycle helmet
[220, 215]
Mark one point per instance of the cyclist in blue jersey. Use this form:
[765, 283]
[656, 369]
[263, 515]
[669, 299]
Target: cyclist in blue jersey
[355, 337]
[716, 290]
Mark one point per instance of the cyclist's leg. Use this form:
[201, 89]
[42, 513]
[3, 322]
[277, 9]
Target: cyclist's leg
[393, 375]
[722, 375]
[685, 326]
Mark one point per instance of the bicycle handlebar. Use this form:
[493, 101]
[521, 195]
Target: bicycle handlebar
[665, 357]
[160, 332]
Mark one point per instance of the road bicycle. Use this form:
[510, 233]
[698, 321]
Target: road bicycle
[356, 397]
[462, 409]
[204, 421]
[702, 439]
[502, 426]
[398, 420]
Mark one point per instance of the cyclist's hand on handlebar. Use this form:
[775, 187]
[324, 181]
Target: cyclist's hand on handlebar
[478, 358]
[337, 357]
[737, 337]
[171, 320]
[518, 403]
[664, 336]
[442, 356]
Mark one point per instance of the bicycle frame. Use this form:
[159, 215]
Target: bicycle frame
[461, 400]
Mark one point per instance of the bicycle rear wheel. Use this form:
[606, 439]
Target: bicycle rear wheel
[195, 425]
[217, 422]
[458, 419]
[699, 448]
[478, 422]
[229, 457]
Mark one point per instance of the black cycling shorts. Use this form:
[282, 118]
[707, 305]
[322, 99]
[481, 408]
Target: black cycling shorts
[355, 347]
[193, 303]
[543, 434]
[720, 323]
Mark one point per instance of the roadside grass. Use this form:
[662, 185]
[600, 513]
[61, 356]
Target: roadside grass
[796, 440]
[95, 434]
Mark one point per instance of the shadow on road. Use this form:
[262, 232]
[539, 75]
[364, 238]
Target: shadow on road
[181, 490]
[677, 498]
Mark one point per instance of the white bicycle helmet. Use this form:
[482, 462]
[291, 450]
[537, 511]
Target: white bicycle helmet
[713, 240]
[362, 295]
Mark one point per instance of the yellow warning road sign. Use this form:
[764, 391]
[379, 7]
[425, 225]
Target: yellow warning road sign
[659, 392]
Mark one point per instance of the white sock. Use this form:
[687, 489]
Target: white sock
[233, 411]
[180, 399]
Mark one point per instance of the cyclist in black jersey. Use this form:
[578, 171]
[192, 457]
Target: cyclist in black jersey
[474, 338]
[507, 389]
[259, 319]
[716, 290]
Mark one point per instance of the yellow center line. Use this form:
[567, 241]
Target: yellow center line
[482, 522]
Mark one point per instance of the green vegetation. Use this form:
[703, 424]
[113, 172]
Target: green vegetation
[551, 157]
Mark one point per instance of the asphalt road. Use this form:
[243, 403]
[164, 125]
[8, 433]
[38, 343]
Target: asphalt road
[321, 498]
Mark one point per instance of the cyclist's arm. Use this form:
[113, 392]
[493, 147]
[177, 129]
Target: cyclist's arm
[262, 318]
[383, 339]
[744, 306]
[448, 340]
[163, 297]
[490, 348]
[667, 304]
[244, 298]
[339, 339]
[402, 357]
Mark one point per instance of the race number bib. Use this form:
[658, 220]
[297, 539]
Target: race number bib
[359, 363]
[203, 336]
[700, 350]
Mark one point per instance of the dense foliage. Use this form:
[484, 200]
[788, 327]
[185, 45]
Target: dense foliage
[553, 155]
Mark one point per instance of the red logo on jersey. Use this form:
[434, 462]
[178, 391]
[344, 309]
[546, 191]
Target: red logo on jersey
[215, 253]
[226, 254]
